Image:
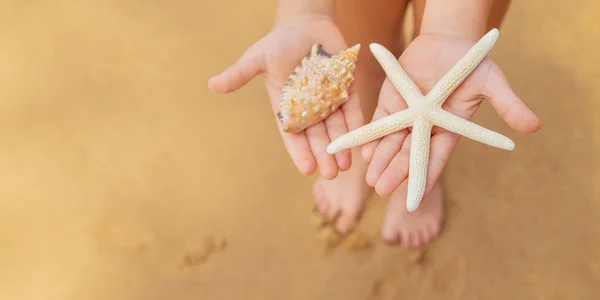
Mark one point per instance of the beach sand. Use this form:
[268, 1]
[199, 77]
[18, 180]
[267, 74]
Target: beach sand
[123, 177]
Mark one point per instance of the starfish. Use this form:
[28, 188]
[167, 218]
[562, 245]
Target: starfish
[424, 112]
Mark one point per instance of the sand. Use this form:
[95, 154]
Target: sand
[123, 177]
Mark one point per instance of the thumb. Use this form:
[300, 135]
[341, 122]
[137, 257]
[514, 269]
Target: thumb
[508, 105]
[250, 64]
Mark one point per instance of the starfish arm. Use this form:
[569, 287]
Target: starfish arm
[455, 124]
[463, 68]
[418, 162]
[394, 71]
[372, 131]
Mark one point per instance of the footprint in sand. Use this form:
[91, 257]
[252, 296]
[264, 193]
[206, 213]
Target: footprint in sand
[418, 256]
[132, 237]
[388, 288]
[377, 289]
[130, 234]
[353, 240]
[198, 253]
[402, 274]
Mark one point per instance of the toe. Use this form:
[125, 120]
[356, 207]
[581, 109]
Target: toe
[389, 233]
[332, 211]
[414, 239]
[433, 229]
[407, 239]
[324, 208]
[424, 237]
[320, 205]
[345, 223]
[416, 229]
[319, 194]
[351, 210]
[348, 218]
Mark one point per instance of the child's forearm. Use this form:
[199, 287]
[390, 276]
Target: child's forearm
[466, 18]
[288, 8]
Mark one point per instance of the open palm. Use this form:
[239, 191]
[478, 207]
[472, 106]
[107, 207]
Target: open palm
[426, 60]
[275, 56]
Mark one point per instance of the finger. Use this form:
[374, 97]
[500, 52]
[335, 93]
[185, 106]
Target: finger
[352, 111]
[508, 105]
[396, 172]
[336, 127]
[299, 149]
[442, 146]
[296, 143]
[386, 150]
[390, 101]
[318, 141]
[248, 66]
[368, 149]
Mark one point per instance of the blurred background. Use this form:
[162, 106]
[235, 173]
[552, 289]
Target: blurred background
[123, 177]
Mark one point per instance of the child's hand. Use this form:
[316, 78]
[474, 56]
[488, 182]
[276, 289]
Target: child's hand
[276, 55]
[426, 60]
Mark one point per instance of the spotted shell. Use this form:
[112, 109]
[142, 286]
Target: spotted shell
[317, 87]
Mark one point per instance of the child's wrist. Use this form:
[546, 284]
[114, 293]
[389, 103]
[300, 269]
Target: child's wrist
[465, 18]
[287, 9]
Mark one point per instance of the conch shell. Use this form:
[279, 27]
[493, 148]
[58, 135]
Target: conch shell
[316, 88]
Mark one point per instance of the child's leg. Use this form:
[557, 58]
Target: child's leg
[418, 228]
[497, 13]
[361, 22]
[365, 22]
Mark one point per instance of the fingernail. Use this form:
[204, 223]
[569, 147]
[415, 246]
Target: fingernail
[366, 155]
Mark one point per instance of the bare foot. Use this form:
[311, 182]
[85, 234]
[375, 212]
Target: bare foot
[414, 229]
[343, 198]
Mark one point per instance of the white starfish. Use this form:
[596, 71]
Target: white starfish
[423, 113]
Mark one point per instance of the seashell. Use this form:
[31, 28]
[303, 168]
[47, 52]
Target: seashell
[317, 87]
